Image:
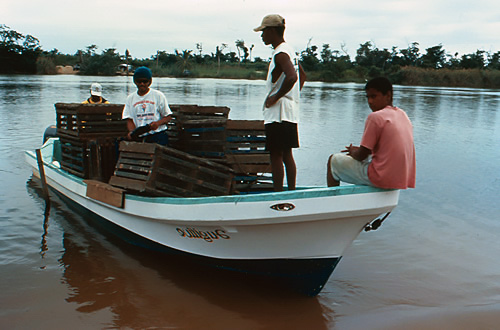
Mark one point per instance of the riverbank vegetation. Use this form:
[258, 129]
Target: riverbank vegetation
[410, 66]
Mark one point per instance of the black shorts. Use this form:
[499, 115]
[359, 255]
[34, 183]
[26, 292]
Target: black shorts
[281, 136]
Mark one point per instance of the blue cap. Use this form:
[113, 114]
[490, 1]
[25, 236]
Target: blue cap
[142, 72]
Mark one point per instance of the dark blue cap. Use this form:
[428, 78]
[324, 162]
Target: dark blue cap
[142, 72]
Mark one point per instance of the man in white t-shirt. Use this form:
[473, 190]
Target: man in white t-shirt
[285, 79]
[147, 109]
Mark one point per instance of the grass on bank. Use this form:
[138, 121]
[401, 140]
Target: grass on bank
[472, 78]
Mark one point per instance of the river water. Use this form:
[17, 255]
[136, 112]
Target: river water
[433, 264]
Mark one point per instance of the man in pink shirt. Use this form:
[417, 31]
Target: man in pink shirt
[387, 138]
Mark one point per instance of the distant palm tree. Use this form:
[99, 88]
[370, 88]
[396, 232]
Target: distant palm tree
[184, 60]
[219, 53]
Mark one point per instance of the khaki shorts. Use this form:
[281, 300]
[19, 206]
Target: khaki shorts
[347, 169]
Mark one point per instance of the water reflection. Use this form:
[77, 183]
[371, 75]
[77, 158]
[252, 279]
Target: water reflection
[441, 238]
[142, 288]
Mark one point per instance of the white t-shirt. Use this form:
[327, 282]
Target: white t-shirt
[147, 108]
[287, 107]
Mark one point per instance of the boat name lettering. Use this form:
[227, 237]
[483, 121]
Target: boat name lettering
[208, 236]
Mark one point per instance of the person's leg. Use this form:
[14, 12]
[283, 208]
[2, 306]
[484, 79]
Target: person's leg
[277, 169]
[342, 167]
[159, 138]
[330, 180]
[291, 168]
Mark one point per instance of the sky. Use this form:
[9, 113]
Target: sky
[144, 27]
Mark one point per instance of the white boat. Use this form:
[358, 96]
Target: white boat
[296, 236]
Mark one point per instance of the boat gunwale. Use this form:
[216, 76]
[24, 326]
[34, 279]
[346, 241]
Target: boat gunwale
[302, 192]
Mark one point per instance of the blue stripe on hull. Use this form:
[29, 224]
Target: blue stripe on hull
[306, 276]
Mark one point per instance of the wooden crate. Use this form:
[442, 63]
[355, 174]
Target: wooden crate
[155, 170]
[89, 159]
[205, 138]
[184, 112]
[245, 137]
[199, 130]
[88, 121]
[245, 153]
[74, 156]
[88, 134]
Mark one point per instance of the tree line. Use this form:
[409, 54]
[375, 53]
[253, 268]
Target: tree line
[435, 66]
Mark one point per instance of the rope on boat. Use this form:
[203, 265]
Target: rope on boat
[376, 223]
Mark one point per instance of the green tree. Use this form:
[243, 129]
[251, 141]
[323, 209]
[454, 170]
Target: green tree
[240, 45]
[368, 55]
[494, 61]
[309, 57]
[326, 54]
[18, 53]
[473, 61]
[105, 64]
[184, 61]
[411, 55]
[435, 58]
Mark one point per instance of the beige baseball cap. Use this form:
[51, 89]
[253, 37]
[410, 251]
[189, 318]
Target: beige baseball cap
[273, 20]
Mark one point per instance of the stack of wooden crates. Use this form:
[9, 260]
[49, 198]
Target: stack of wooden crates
[206, 131]
[208, 154]
[88, 134]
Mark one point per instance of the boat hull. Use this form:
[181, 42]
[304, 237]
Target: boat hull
[297, 236]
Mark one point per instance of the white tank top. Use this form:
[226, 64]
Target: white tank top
[287, 107]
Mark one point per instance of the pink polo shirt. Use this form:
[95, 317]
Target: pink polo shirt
[389, 135]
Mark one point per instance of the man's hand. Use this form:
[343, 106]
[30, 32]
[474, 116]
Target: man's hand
[154, 125]
[271, 100]
[359, 153]
[350, 149]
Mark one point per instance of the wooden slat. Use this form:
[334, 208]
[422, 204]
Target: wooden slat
[245, 125]
[256, 158]
[131, 175]
[187, 164]
[127, 183]
[105, 193]
[141, 148]
[133, 168]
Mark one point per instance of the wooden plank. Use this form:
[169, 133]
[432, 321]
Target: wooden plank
[127, 183]
[256, 158]
[204, 110]
[105, 193]
[131, 175]
[136, 162]
[132, 168]
[245, 125]
[207, 123]
[186, 164]
[137, 156]
[138, 147]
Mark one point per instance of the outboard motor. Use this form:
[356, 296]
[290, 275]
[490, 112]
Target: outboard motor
[50, 131]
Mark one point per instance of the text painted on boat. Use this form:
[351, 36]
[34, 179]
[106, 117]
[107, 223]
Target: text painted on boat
[208, 236]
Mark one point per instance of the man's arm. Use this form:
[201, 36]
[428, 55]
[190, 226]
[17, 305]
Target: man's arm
[283, 64]
[154, 125]
[302, 75]
[359, 153]
[130, 127]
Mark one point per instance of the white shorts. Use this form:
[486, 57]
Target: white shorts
[344, 168]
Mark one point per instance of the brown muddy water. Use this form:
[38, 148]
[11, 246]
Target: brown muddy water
[434, 263]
